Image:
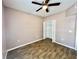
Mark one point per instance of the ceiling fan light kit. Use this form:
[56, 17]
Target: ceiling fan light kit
[45, 5]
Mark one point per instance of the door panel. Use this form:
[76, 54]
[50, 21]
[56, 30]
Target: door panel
[49, 29]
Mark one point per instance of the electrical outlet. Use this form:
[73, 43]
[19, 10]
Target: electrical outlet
[62, 39]
[18, 40]
[70, 31]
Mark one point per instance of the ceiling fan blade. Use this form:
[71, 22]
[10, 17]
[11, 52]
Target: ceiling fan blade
[36, 3]
[54, 4]
[46, 1]
[47, 10]
[39, 9]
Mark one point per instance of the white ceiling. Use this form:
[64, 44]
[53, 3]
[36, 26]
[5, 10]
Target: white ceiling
[27, 6]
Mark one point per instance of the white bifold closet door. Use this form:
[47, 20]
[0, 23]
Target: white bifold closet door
[49, 29]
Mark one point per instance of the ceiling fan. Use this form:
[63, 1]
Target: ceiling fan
[45, 5]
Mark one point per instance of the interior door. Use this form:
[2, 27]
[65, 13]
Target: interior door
[49, 29]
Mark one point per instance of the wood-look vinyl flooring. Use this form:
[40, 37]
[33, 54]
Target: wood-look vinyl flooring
[43, 49]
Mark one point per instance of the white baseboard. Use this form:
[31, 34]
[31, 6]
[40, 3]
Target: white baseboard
[23, 45]
[65, 45]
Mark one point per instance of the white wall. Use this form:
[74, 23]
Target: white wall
[21, 28]
[65, 26]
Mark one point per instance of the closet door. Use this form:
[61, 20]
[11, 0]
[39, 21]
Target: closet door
[49, 29]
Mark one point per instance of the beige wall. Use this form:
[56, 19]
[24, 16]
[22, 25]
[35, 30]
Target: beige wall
[21, 28]
[65, 26]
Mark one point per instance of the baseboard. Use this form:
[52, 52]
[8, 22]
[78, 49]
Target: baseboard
[65, 45]
[23, 45]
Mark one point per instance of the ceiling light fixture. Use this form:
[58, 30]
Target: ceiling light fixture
[45, 7]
